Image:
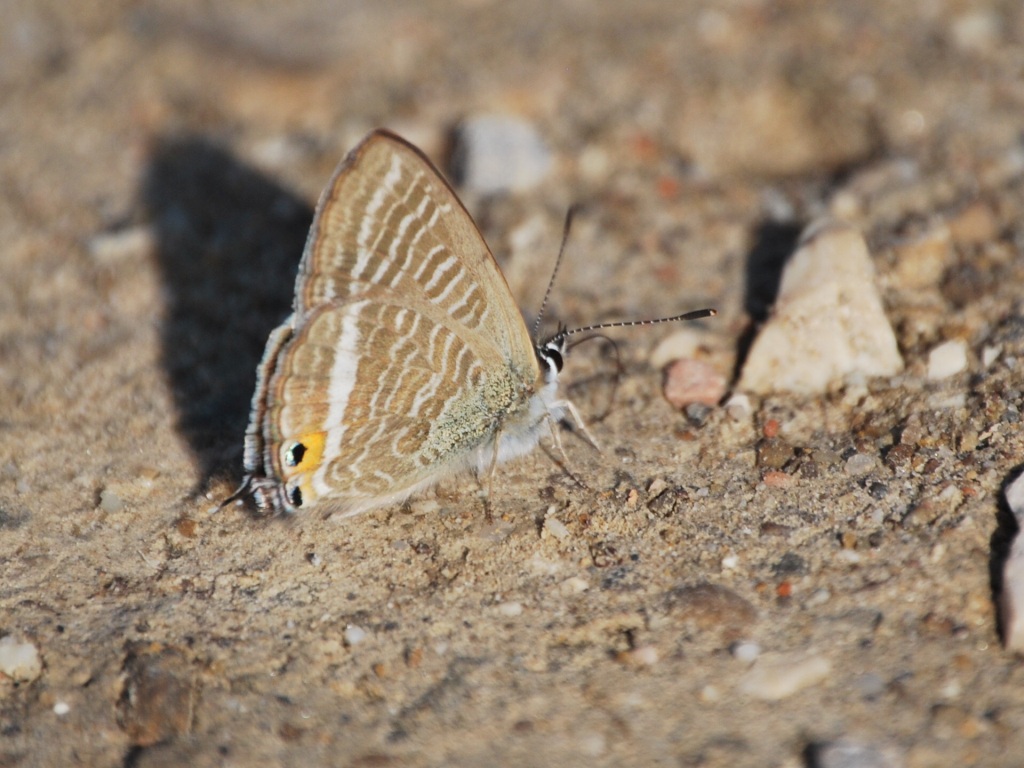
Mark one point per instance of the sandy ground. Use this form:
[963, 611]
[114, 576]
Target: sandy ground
[158, 165]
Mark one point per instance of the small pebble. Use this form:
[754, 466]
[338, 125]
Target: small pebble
[849, 556]
[773, 453]
[845, 753]
[828, 320]
[778, 479]
[641, 656]
[859, 464]
[499, 153]
[818, 597]
[112, 248]
[574, 585]
[656, 488]
[775, 678]
[510, 609]
[556, 528]
[710, 694]
[61, 708]
[737, 407]
[690, 381]
[711, 608]
[110, 501]
[947, 359]
[697, 413]
[19, 660]
[746, 651]
[354, 635]
[990, 354]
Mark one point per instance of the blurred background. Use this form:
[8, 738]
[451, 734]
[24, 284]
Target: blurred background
[159, 165]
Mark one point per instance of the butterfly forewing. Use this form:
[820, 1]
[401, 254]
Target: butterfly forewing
[388, 214]
[407, 351]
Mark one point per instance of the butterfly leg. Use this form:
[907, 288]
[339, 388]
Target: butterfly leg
[578, 421]
[558, 444]
[489, 487]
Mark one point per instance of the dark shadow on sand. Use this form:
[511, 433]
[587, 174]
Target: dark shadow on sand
[774, 243]
[229, 241]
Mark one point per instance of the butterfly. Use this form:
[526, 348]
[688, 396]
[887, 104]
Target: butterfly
[405, 359]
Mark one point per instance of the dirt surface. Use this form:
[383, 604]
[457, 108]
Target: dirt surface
[158, 165]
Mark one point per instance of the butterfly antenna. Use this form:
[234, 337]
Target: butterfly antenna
[570, 214]
[695, 315]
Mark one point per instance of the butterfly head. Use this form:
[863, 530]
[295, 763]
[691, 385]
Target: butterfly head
[551, 355]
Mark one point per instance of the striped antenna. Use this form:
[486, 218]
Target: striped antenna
[563, 332]
[697, 314]
[570, 214]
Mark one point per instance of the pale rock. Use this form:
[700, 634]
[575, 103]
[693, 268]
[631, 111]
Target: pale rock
[499, 153]
[110, 501]
[947, 359]
[774, 678]
[690, 381]
[510, 609]
[574, 585]
[859, 464]
[990, 354]
[111, 249]
[846, 753]
[1011, 600]
[738, 406]
[354, 635]
[19, 660]
[828, 321]
[555, 527]
[747, 651]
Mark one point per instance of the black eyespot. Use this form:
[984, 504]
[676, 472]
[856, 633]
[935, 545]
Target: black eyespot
[293, 456]
[295, 496]
[554, 356]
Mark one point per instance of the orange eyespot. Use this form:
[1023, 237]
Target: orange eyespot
[303, 454]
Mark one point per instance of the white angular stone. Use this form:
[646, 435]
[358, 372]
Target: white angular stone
[828, 321]
[947, 359]
[19, 661]
[775, 678]
[499, 153]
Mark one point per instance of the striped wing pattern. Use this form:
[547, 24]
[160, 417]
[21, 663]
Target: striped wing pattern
[406, 353]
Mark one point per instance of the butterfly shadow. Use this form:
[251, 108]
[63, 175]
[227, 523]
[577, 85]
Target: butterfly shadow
[228, 245]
